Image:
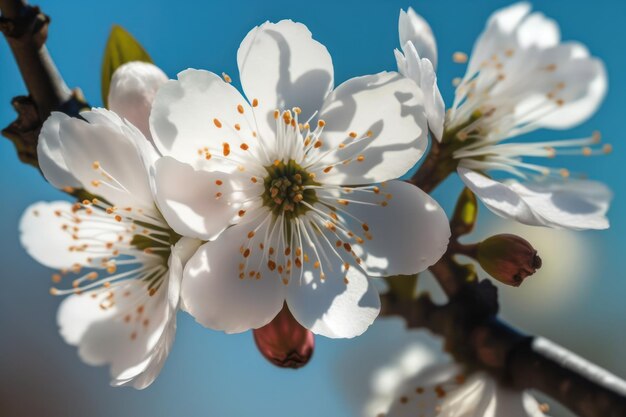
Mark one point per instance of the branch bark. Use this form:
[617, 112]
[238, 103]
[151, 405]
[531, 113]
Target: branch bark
[474, 335]
[26, 30]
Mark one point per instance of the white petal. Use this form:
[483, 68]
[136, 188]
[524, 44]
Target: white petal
[571, 204]
[192, 202]
[433, 101]
[409, 234]
[45, 235]
[585, 82]
[499, 198]
[558, 87]
[372, 373]
[498, 35]
[538, 80]
[515, 403]
[401, 62]
[200, 111]
[143, 374]
[414, 28]
[388, 106]
[104, 155]
[421, 393]
[215, 295]
[508, 18]
[133, 88]
[475, 397]
[282, 66]
[536, 30]
[50, 156]
[332, 307]
[133, 336]
[421, 71]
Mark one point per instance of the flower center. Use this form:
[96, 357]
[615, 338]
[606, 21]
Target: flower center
[287, 186]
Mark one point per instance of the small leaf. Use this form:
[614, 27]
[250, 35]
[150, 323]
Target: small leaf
[465, 214]
[121, 48]
[404, 286]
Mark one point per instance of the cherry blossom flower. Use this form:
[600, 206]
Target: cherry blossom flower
[304, 174]
[124, 262]
[522, 77]
[444, 388]
[415, 377]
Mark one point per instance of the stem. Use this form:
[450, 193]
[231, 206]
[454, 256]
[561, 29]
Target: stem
[447, 276]
[476, 337]
[433, 170]
[26, 30]
[585, 388]
[440, 161]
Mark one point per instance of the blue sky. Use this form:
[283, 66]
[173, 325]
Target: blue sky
[208, 372]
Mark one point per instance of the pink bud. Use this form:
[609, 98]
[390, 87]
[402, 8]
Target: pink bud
[284, 342]
[508, 258]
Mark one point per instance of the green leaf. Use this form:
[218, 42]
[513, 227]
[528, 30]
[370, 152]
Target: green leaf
[404, 286]
[121, 48]
[465, 213]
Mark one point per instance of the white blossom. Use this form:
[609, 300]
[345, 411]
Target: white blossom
[123, 262]
[295, 185]
[522, 77]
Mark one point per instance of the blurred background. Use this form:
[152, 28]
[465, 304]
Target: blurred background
[576, 299]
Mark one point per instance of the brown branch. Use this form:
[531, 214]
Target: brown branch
[430, 173]
[26, 30]
[474, 336]
[438, 164]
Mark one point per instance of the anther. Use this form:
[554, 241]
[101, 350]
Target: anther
[596, 136]
[459, 57]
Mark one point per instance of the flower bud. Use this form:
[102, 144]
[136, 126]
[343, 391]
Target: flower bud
[465, 213]
[284, 342]
[508, 258]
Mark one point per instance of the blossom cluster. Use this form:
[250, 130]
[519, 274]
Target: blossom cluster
[232, 206]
